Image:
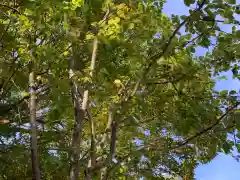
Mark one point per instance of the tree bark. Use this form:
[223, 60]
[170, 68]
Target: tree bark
[92, 159]
[34, 144]
[78, 125]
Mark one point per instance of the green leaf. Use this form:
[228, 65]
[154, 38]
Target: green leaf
[231, 1]
[237, 123]
[238, 147]
[222, 78]
[175, 19]
[232, 92]
[131, 26]
[224, 93]
[121, 170]
[234, 29]
[235, 71]
[238, 135]
[183, 17]
[227, 147]
[228, 13]
[238, 34]
[192, 49]
[77, 3]
[65, 26]
[189, 2]
[204, 42]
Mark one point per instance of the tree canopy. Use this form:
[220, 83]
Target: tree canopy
[104, 89]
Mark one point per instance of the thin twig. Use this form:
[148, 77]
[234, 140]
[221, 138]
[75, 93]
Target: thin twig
[9, 7]
[5, 31]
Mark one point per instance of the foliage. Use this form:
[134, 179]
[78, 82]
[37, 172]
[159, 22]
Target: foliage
[120, 87]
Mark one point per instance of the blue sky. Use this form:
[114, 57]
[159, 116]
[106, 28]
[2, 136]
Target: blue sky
[223, 167]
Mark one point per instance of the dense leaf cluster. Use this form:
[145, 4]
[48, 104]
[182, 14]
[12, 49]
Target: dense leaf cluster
[101, 89]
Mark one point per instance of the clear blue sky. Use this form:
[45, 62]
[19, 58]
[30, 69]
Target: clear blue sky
[223, 167]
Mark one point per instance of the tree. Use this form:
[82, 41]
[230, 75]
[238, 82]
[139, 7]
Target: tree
[119, 101]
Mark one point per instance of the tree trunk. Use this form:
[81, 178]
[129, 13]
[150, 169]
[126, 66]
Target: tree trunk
[78, 125]
[34, 144]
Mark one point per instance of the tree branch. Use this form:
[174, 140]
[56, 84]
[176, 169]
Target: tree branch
[34, 143]
[157, 56]
[83, 108]
[211, 127]
[108, 127]
[113, 140]
[216, 20]
[78, 125]
[9, 7]
[92, 159]
[170, 81]
[14, 105]
[112, 150]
